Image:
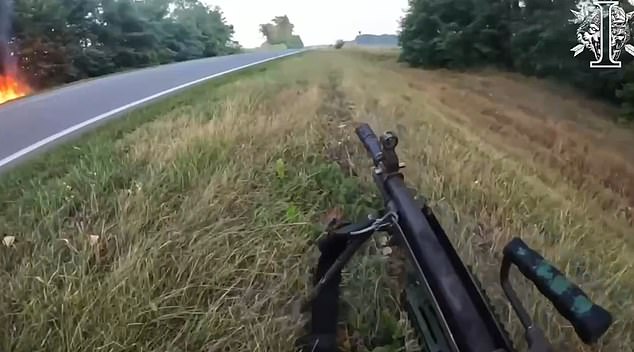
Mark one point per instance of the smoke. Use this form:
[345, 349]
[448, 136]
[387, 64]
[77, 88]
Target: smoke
[7, 64]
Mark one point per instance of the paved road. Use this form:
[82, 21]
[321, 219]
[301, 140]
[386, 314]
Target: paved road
[38, 122]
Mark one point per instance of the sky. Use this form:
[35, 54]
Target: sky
[317, 22]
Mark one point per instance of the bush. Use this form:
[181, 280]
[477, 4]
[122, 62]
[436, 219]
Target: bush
[339, 44]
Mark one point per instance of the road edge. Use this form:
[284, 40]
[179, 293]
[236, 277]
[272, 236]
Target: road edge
[15, 157]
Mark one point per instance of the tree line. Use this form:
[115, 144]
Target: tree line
[281, 32]
[59, 41]
[533, 37]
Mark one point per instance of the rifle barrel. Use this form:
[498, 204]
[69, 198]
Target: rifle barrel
[370, 142]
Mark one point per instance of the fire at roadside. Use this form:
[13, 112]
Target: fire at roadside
[11, 88]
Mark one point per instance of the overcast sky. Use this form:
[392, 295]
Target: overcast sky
[316, 21]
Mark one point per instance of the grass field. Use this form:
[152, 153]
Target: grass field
[188, 226]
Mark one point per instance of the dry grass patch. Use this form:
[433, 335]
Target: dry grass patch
[192, 231]
[544, 125]
[489, 186]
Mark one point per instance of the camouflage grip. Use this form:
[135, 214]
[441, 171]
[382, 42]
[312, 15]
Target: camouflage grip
[590, 321]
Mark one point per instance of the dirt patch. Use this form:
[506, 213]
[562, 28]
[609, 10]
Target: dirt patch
[337, 109]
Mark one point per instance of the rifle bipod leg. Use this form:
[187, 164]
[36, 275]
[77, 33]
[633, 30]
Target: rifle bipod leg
[337, 248]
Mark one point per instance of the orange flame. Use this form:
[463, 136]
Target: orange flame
[11, 88]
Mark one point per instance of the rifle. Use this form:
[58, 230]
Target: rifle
[444, 303]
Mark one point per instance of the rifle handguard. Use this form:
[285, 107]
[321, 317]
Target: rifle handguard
[589, 320]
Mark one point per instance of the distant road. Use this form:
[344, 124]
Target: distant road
[35, 123]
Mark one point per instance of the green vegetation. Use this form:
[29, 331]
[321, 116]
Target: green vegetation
[59, 41]
[534, 39]
[280, 32]
[188, 224]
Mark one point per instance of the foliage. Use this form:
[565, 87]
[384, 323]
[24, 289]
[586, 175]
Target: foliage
[533, 39]
[59, 41]
[339, 44]
[281, 32]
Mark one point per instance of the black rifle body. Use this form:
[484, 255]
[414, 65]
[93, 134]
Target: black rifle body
[444, 303]
[470, 326]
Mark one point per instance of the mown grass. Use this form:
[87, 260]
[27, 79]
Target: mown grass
[188, 225]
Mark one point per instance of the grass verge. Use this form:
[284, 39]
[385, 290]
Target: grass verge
[188, 225]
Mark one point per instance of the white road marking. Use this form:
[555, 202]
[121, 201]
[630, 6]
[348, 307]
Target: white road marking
[17, 155]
